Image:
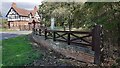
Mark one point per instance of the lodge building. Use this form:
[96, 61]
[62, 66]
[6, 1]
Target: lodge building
[19, 18]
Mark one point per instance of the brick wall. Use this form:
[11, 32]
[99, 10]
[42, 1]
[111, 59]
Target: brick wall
[17, 24]
[22, 25]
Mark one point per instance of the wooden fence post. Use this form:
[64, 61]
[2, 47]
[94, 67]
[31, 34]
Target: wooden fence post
[45, 33]
[68, 40]
[33, 30]
[119, 38]
[54, 36]
[96, 43]
[36, 31]
[39, 32]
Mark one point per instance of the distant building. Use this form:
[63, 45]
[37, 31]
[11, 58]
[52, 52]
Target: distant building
[19, 18]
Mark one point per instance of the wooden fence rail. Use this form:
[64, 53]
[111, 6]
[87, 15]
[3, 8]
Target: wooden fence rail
[88, 38]
[68, 36]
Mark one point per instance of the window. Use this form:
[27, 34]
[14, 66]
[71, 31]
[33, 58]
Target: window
[9, 17]
[13, 16]
[16, 16]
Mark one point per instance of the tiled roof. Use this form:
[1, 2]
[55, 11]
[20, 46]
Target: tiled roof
[24, 12]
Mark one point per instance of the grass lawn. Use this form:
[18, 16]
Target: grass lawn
[18, 52]
[6, 30]
[0, 53]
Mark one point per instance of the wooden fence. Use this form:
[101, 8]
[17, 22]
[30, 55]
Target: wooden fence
[88, 38]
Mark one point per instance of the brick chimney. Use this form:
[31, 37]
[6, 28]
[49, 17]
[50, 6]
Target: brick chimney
[35, 8]
[13, 4]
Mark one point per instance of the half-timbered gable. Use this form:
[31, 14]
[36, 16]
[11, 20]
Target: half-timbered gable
[37, 16]
[13, 15]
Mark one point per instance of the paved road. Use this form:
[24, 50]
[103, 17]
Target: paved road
[6, 35]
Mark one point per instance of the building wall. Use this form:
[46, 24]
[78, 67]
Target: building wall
[22, 25]
[19, 24]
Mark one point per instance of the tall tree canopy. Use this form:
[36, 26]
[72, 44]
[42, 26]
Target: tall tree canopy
[62, 11]
[81, 14]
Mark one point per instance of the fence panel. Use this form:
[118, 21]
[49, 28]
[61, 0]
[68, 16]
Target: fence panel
[92, 38]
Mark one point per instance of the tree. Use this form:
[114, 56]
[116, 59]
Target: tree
[62, 11]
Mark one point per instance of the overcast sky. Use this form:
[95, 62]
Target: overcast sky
[26, 4]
